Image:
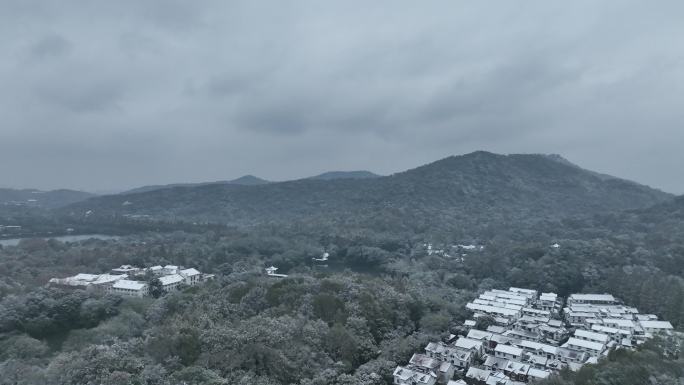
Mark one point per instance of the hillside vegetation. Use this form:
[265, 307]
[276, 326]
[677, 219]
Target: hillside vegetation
[477, 189]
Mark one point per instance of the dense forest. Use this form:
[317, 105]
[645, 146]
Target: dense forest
[381, 297]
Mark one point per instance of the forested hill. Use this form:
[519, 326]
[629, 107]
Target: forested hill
[346, 175]
[472, 189]
[38, 198]
[246, 180]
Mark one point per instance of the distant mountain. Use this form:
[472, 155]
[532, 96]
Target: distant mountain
[43, 199]
[330, 175]
[247, 180]
[477, 189]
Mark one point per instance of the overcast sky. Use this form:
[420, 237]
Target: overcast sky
[107, 95]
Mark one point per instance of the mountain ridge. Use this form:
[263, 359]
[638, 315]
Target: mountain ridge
[475, 188]
[359, 174]
[245, 180]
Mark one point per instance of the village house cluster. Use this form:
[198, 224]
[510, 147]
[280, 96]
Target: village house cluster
[530, 336]
[132, 281]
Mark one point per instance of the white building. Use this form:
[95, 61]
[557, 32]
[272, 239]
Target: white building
[592, 336]
[130, 288]
[594, 299]
[593, 348]
[171, 282]
[656, 326]
[170, 269]
[508, 352]
[192, 276]
[95, 282]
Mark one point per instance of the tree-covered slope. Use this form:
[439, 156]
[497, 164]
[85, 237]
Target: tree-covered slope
[38, 198]
[246, 180]
[475, 188]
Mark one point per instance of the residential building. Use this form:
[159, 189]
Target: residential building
[594, 299]
[656, 326]
[408, 376]
[592, 348]
[592, 336]
[508, 352]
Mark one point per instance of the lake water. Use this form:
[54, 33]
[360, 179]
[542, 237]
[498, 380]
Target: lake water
[64, 238]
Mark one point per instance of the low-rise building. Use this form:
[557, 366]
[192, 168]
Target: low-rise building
[592, 348]
[192, 276]
[508, 352]
[410, 376]
[656, 326]
[592, 336]
[473, 345]
[523, 345]
[171, 282]
[444, 371]
[130, 288]
[594, 299]
[90, 282]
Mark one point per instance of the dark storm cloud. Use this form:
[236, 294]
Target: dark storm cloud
[107, 95]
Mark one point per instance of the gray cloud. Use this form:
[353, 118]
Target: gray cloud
[110, 95]
[50, 45]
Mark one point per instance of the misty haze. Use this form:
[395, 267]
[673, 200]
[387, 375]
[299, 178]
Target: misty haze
[341, 193]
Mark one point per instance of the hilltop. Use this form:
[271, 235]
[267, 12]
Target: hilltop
[246, 180]
[330, 175]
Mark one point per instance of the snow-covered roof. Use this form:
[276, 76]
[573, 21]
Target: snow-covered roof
[592, 297]
[424, 361]
[129, 285]
[170, 279]
[609, 330]
[619, 321]
[84, 277]
[479, 334]
[491, 309]
[468, 343]
[538, 373]
[478, 374]
[106, 278]
[506, 349]
[656, 325]
[190, 272]
[595, 346]
[538, 346]
[405, 373]
[517, 367]
[457, 382]
[548, 297]
[592, 336]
